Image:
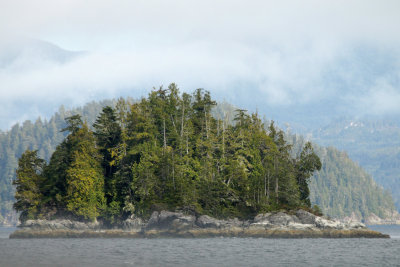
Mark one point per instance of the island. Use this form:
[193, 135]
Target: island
[166, 166]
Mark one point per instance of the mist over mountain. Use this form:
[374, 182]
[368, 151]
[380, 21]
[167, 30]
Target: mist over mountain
[24, 62]
[25, 53]
[358, 81]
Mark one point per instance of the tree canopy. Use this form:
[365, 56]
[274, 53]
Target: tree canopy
[166, 151]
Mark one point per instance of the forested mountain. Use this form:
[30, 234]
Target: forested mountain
[343, 189]
[374, 142]
[46, 135]
[355, 190]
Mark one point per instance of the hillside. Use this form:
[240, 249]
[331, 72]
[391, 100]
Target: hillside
[46, 135]
[357, 194]
[373, 142]
[343, 189]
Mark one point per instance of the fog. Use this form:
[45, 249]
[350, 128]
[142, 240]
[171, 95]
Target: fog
[260, 54]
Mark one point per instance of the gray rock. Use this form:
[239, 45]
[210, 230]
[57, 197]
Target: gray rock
[300, 226]
[355, 225]
[206, 221]
[153, 218]
[323, 223]
[60, 224]
[235, 222]
[170, 221]
[261, 221]
[271, 220]
[178, 221]
[262, 218]
[305, 217]
[281, 219]
[133, 225]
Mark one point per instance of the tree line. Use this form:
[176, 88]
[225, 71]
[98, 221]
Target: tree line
[165, 151]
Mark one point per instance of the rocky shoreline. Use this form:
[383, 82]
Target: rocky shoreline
[300, 224]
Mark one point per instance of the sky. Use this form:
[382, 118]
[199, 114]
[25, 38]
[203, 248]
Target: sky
[265, 55]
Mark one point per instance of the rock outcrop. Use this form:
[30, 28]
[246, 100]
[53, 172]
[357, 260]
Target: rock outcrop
[299, 224]
[58, 224]
[170, 220]
[133, 224]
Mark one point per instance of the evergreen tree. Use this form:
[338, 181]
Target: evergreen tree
[54, 190]
[307, 164]
[28, 183]
[167, 151]
[85, 181]
[108, 135]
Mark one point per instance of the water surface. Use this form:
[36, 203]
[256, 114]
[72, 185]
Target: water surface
[201, 252]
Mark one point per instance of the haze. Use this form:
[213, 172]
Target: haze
[317, 59]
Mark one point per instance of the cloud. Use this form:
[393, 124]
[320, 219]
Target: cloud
[233, 19]
[284, 53]
[382, 98]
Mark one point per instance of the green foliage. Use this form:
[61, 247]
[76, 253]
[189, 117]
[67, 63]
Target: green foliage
[74, 123]
[317, 210]
[341, 187]
[84, 178]
[29, 180]
[43, 136]
[180, 151]
[355, 190]
[308, 163]
[169, 151]
[108, 137]
[373, 142]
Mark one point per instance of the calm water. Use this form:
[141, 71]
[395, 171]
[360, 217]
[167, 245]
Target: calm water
[202, 252]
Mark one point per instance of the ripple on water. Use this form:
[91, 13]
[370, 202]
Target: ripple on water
[199, 252]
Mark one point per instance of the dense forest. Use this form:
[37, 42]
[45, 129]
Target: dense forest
[44, 136]
[41, 135]
[166, 151]
[342, 188]
[355, 191]
[374, 142]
